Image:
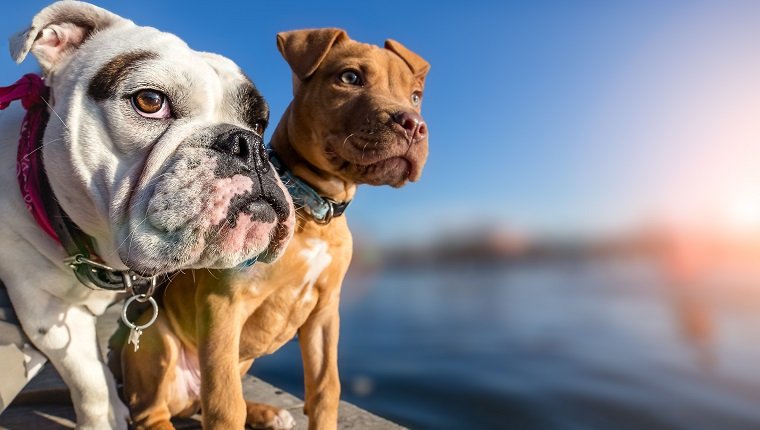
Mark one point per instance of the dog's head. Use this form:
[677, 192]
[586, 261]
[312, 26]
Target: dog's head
[158, 151]
[362, 104]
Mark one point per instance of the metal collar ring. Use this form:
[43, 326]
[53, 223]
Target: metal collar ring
[141, 298]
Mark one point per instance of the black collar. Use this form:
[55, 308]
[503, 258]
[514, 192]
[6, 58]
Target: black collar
[91, 272]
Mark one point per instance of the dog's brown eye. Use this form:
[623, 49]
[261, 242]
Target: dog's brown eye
[148, 101]
[416, 98]
[350, 77]
[259, 127]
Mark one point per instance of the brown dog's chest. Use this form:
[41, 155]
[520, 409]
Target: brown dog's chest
[312, 267]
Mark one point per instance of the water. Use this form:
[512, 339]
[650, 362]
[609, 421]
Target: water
[582, 345]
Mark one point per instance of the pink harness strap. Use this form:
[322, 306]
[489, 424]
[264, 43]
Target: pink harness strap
[31, 90]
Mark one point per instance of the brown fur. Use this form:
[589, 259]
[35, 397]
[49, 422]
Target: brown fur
[334, 136]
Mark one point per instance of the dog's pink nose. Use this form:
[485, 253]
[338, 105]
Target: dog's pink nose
[413, 124]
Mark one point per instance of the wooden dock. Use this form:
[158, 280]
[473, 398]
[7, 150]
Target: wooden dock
[44, 404]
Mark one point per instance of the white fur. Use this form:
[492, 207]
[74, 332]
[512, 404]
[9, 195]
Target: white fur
[282, 421]
[317, 258]
[187, 385]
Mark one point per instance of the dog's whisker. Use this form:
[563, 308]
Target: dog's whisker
[211, 273]
[172, 276]
[345, 141]
[39, 148]
[364, 149]
[56, 113]
[131, 235]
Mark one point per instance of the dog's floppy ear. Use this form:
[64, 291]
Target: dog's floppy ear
[419, 67]
[304, 50]
[58, 30]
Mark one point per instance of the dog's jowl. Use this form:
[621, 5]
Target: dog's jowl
[151, 161]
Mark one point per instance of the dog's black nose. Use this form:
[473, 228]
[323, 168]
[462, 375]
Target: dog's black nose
[244, 145]
[412, 123]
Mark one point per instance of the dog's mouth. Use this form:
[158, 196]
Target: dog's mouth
[391, 171]
[253, 227]
[391, 160]
[256, 208]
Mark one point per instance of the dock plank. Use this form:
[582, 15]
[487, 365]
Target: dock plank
[45, 404]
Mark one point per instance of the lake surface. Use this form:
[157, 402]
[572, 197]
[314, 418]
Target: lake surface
[555, 345]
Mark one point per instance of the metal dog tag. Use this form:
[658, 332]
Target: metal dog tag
[134, 337]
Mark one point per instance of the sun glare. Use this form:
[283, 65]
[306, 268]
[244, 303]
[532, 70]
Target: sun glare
[743, 211]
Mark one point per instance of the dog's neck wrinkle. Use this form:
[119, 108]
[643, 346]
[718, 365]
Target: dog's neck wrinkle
[325, 183]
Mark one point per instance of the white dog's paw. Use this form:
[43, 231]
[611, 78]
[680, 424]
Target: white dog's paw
[116, 419]
[282, 421]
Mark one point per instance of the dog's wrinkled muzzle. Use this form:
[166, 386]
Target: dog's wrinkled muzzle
[216, 203]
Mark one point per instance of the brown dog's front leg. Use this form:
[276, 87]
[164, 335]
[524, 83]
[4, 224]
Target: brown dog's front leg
[219, 322]
[319, 350]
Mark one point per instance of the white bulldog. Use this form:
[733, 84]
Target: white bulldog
[154, 151]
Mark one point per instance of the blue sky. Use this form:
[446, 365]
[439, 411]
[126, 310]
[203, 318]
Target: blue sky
[546, 117]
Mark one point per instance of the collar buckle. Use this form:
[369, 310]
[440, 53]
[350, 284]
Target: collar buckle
[98, 276]
[328, 214]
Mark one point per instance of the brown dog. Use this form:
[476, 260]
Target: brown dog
[354, 120]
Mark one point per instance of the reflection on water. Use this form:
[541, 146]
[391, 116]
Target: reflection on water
[602, 344]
